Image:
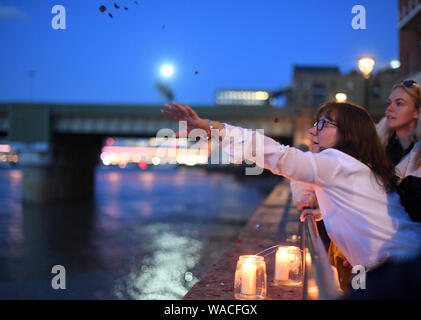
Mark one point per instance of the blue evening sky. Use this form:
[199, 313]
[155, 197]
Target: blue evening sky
[230, 43]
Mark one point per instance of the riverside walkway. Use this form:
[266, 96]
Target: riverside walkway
[275, 222]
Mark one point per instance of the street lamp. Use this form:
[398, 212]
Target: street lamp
[341, 97]
[366, 65]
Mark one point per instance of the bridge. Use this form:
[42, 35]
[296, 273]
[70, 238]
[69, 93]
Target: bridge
[59, 145]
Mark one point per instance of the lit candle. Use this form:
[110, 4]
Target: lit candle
[248, 278]
[312, 290]
[308, 259]
[282, 264]
[335, 276]
[294, 259]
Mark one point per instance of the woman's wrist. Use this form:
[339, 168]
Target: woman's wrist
[209, 127]
[212, 127]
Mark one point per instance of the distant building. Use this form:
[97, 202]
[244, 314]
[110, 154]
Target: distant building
[410, 39]
[380, 85]
[243, 97]
[313, 85]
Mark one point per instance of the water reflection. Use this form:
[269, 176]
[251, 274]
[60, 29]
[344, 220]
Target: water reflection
[162, 273]
[146, 235]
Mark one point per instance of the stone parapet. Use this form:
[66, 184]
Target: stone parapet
[275, 221]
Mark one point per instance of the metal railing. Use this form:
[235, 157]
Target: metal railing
[319, 280]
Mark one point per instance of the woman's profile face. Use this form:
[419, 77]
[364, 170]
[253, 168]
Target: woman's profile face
[401, 112]
[324, 138]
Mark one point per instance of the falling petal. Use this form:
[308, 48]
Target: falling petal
[111, 16]
[102, 8]
[276, 120]
[116, 6]
[125, 8]
[196, 72]
[163, 27]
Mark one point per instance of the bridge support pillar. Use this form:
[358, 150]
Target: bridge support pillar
[64, 172]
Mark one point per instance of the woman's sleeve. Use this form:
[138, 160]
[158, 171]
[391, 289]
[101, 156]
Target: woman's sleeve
[303, 195]
[243, 144]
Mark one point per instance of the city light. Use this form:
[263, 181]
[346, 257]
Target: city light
[261, 95]
[156, 161]
[341, 97]
[241, 97]
[4, 148]
[8, 155]
[109, 141]
[153, 152]
[395, 64]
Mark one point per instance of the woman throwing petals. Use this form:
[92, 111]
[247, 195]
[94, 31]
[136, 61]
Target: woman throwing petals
[353, 181]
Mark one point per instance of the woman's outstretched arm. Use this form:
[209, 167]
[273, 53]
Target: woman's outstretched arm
[185, 113]
[243, 144]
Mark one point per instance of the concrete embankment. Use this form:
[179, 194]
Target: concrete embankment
[275, 221]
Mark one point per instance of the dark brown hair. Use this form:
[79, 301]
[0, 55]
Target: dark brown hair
[357, 137]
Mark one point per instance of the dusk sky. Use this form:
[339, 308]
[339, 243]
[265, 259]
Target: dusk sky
[219, 44]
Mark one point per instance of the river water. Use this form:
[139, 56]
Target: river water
[145, 235]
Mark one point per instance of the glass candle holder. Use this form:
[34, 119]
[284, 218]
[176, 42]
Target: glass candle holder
[250, 278]
[288, 266]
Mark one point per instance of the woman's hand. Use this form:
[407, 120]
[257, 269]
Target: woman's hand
[317, 215]
[185, 113]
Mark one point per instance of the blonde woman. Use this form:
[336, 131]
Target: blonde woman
[400, 130]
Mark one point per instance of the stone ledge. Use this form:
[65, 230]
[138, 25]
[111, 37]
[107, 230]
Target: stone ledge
[274, 221]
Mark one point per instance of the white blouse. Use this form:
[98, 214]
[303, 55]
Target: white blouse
[366, 223]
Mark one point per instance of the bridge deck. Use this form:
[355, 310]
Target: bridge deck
[130, 119]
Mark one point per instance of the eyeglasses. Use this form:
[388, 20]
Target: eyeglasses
[407, 83]
[322, 123]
